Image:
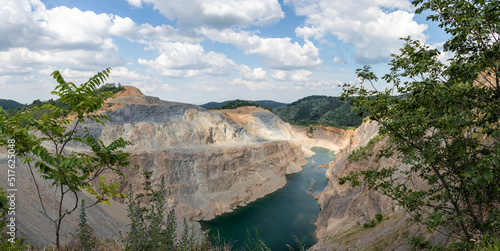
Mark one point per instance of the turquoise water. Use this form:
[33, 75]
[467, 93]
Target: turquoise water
[289, 210]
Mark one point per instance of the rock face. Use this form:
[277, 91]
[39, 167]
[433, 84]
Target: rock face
[212, 162]
[344, 208]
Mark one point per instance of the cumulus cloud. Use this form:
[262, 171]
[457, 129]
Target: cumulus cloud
[373, 27]
[249, 74]
[253, 85]
[279, 53]
[203, 87]
[35, 36]
[279, 75]
[126, 27]
[135, 3]
[217, 13]
[187, 60]
[301, 75]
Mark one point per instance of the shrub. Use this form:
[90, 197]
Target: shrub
[85, 236]
[368, 224]
[148, 229]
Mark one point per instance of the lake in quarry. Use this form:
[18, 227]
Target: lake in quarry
[289, 210]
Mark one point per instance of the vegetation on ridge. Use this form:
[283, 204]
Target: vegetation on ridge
[8, 104]
[29, 133]
[447, 129]
[238, 103]
[319, 110]
[12, 110]
[268, 104]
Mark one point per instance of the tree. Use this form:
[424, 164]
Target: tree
[447, 125]
[42, 144]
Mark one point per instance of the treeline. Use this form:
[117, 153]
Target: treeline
[319, 110]
[10, 110]
[9, 104]
[268, 104]
[238, 103]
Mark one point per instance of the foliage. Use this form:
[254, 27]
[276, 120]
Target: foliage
[255, 243]
[238, 103]
[5, 244]
[42, 144]
[301, 246]
[263, 103]
[8, 104]
[365, 151]
[110, 87]
[488, 244]
[369, 224]
[447, 126]
[85, 235]
[323, 110]
[4, 207]
[148, 229]
[379, 217]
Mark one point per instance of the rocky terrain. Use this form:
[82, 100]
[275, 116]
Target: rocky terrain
[212, 162]
[344, 208]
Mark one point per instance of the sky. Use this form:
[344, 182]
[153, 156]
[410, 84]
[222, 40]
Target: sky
[197, 51]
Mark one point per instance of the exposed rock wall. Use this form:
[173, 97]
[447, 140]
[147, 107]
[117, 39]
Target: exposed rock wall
[212, 162]
[203, 183]
[344, 208]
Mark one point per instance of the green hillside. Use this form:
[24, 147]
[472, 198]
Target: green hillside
[8, 104]
[264, 103]
[322, 110]
[59, 103]
[238, 103]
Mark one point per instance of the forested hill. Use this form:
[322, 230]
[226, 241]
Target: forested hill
[322, 110]
[8, 104]
[112, 87]
[264, 103]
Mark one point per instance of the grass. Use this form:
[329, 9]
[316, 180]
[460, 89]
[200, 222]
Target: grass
[365, 151]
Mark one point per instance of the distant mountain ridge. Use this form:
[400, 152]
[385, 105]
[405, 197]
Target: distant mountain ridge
[323, 110]
[264, 103]
[8, 104]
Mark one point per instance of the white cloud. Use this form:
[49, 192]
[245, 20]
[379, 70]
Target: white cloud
[126, 27]
[135, 3]
[279, 75]
[301, 75]
[19, 24]
[187, 60]
[218, 13]
[253, 85]
[319, 85]
[203, 87]
[372, 27]
[279, 53]
[338, 60]
[63, 37]
[255, 74]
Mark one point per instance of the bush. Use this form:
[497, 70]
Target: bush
[368, 224]
[86, 238]
[148, 229]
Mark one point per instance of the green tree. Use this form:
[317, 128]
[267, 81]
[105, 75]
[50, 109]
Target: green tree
[239, 103]
[447, 127]
[42, 144]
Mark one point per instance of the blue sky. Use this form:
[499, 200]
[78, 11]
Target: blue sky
[196, 51]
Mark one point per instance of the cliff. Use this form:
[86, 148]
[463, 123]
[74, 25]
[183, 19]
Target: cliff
[344, 208]
[212, 162]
